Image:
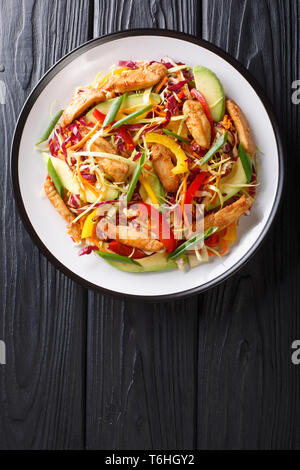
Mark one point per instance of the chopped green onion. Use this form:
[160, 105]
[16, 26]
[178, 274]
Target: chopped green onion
[178, 137]
[53, 175]
[113, 110]
[115, 257]
[191, 243]
[178, 67]
[50, 127]
[220, 142]
[135, 177]
[131, 116]
[246, 162]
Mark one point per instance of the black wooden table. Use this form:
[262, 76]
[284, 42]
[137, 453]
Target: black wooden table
[85, 370]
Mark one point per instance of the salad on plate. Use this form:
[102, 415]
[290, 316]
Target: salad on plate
[151, 166]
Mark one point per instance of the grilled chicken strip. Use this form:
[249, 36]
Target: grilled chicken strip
[163, 165]
[131, 80]
[117, 170]
[60, 206]
[242, 126]
[80, 103]
[197, 123]
[228, 215]
[129, 236]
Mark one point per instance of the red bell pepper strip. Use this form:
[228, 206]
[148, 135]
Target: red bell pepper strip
[162, 229]
[129, 144]
[125, 250]
[213, 240]
[194, 186]
[198, 95]
[99, 116]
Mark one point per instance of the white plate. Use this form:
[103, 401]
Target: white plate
[78, 68]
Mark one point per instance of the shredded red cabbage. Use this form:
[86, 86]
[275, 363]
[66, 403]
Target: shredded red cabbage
[228, 149]
[159, 126]
[127, 63]
[64, 150]
[87, 250]
[133, 127]
[252, 189]
[88, 176]
[104, 202]
[178, 85]
[198, 150]
[52, 148]
[166, 64]
[172, 105]
[82, 121]
[137, 156]
[74, 201]
[120, 144]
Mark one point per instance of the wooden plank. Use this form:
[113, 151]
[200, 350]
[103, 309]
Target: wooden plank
[248, 387]
[42, 312]
[141, 357]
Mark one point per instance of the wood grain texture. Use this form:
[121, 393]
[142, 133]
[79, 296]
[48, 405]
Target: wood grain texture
[248, 387]
[210, 372]
[42, 312]
[119, 15]
[141, 358]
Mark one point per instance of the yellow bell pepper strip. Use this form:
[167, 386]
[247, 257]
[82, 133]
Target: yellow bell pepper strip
[230, 235]
[50, 127]
[191, 243]
[149, 190]
[214, 149]
[87, 229]
[132, 116]
[182, 166]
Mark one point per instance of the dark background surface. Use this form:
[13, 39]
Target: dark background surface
[85, 370]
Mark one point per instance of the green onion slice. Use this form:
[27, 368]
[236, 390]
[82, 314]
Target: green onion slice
[176, 136]
[191, 243]
[220, 142]
[131, 116]
[135, 177]
[115, 257]
[113, 110]
[50, 127]
[53, 175]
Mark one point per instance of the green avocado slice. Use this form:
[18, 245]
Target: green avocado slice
[211, 88]
[156, 262]
[236, 177]
[66, 177]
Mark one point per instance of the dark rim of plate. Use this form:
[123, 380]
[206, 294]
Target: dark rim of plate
[57, 68]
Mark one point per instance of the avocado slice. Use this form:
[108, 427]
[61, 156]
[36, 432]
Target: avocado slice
[156, 262]
[236, 176]
[66, 177]
[130, 102]
[154, 182]
[210, 86]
